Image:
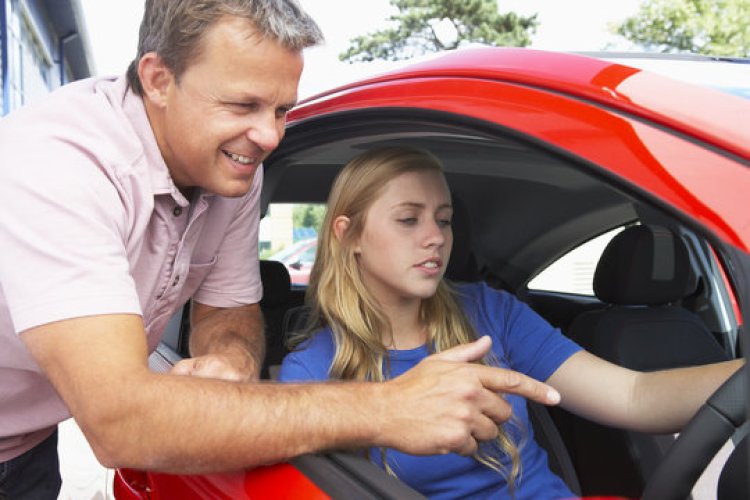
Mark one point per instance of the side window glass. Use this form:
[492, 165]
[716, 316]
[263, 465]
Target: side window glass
[289, 234]
[574, 271]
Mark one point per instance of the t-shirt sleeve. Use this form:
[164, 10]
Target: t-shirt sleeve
[62, 234]
[526, 341]
[311, 361]
[235, 278]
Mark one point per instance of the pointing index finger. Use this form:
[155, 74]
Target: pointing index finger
[508, 381]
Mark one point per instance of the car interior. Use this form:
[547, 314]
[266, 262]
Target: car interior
[660, 299]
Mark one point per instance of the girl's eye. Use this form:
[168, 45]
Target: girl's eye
[445, 222]
[408, 221]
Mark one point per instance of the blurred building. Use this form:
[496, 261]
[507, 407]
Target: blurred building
[43, 45]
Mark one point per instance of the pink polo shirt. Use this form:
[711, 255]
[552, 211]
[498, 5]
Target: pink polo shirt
[91, 223]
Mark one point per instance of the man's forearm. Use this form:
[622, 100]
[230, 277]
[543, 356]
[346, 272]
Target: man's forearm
[198, 425]
[136, 418]
[235, 332]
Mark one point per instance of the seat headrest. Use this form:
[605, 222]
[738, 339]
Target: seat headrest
[644, 265]
[276, 283]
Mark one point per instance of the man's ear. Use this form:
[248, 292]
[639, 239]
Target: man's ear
[155, 77]
[340, 225]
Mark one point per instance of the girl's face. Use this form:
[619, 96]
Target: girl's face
[406, 241]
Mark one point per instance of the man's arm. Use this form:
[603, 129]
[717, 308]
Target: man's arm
[226, 343]
[133, 417]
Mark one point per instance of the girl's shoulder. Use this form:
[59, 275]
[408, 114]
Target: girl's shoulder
[480, 293]
[317, 342]
[311, 359]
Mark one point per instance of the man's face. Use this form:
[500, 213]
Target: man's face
[228, 110]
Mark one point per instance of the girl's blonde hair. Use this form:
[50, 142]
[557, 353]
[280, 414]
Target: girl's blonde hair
[339, 299]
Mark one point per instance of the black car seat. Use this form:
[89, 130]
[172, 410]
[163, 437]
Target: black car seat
[642, 276]
[277, 298]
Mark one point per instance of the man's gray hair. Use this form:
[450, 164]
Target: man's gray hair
[174, 29]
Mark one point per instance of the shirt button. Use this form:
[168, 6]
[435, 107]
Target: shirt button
[177, 211]
[176, 280]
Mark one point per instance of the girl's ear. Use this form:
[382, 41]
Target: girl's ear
[340, 225]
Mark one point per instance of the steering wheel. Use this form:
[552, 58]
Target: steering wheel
[715, 422]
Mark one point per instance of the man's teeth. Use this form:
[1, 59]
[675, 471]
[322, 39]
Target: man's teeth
[240, 159]
[430, 264]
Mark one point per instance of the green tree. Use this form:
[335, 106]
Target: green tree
[713, 27]
[308, 216]
[420, 28]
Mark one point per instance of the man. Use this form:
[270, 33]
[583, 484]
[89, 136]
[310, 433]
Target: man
[125, 198]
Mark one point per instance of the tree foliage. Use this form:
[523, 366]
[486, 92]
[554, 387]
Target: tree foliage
[714, 27]
[420, 27]
[308, 216]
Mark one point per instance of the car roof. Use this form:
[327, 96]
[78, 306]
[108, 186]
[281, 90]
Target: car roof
[711, 116]
[727, 74]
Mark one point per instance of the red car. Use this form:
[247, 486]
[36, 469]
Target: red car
[544, 152]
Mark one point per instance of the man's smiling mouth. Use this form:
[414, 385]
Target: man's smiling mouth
[244, 160]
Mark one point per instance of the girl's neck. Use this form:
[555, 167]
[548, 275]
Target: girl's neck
[408, 329]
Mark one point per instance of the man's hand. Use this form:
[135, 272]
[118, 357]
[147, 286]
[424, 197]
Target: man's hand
[221, 366]
[225, 343]
[448, 404]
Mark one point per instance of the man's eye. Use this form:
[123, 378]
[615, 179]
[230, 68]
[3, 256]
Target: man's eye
[245, 106]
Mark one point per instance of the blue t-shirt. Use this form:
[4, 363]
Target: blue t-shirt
[521, 340]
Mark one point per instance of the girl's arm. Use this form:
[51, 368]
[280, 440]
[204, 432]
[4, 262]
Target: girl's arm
[661, 401]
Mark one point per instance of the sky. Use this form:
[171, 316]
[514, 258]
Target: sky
[563, 25]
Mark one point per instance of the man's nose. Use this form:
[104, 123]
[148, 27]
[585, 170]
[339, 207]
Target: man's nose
[266, 133]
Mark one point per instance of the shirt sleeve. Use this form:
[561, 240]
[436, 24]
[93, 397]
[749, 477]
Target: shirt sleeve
[62, 229]
[235, 278]
[525, 340]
